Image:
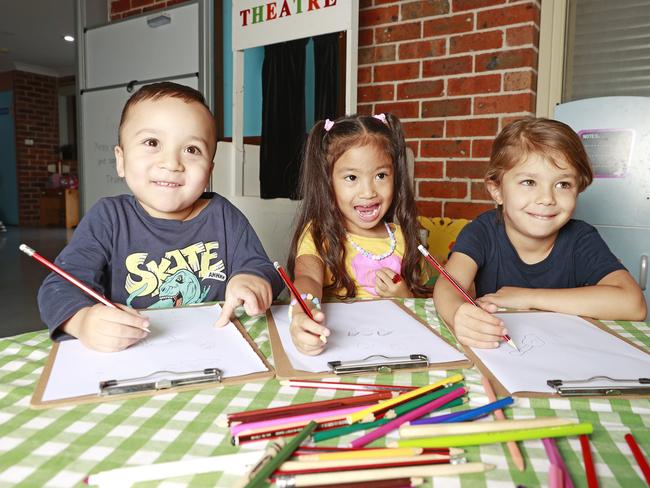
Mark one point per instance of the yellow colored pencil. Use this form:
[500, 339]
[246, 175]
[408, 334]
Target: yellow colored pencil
[343, 463]
[458, 428]
[367, 415]
[361, 454]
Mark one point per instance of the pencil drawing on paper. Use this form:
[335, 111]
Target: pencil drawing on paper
[369, 332]
[527, 344]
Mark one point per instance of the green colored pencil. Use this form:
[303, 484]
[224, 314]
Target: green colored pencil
[496, 437]
[259, 479]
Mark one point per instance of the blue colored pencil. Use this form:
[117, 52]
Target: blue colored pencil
[471, 414]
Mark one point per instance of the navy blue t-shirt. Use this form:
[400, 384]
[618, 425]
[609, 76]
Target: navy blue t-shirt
[579, 257]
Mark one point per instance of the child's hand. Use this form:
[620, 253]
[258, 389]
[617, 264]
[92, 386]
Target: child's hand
[390, 284]
[510, 297]
[252, 291]
[306, 333]
[477, 327]
[107, 329]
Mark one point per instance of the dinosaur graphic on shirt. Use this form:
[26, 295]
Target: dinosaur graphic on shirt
[181, 288]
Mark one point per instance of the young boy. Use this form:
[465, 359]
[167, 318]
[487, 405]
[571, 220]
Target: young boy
[530, 254]
[168, 244]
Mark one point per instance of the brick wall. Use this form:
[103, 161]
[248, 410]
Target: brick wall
[454, 71]
[36, 118]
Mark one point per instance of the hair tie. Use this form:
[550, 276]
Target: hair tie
[381, 117]
[328, 124]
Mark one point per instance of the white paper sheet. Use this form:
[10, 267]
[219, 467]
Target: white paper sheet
[559, 346]
[362, 329]
[181, 339]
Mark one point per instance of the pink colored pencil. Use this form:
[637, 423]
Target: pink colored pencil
[413, 414]
[30, 252]
[555, 458]
[339, 385]
[555, 476]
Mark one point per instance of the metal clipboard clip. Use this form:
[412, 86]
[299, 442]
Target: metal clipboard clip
[617, 386]
[160, 380]
[379, 364]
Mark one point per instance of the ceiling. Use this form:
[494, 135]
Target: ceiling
[31, 36]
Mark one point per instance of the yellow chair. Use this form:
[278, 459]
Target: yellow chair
[442, 233]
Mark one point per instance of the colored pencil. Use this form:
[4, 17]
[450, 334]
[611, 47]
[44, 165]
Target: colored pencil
[590, 470]
[555, 476]
[340, 385]
[496, 437]
[315, 449]
[285, 430]
[100, 298]
[464, 415]
[419, 401]
[303, 408]
[441, 269]
[638, 455]
[348, 429]
[299, 467]
[296, 294]
[418, 412]
[555, 458]
[259, 477]
[394, 483]
[363, 454]
[380, 474]
[369, 413]
[513, 448]
[461, 428]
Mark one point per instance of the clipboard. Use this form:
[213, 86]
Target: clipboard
[156, 383]
[568, 386]
[372, 364]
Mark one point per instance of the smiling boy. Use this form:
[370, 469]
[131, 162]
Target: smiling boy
[168, 244]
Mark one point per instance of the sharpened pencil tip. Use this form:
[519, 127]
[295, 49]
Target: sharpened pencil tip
[423, 250]
[276, 264]
[26, 249]
[511, 342]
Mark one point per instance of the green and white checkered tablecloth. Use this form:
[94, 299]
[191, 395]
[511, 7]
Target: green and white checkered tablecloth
[59, 447]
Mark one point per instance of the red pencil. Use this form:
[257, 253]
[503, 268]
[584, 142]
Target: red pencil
[638, 455]
[339, 385]
[455, 284]
[592, 481]
[303, 408]
[389, 464]
[296, 295]
[30, 252]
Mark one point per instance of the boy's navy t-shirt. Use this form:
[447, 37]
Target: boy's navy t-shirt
[579, 257]
[132, 258]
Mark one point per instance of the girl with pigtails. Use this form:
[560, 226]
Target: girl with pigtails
[357, 231]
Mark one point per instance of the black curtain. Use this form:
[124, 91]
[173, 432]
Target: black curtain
[283, 118]
[326, 61]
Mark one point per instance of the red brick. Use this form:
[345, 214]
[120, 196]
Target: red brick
[132, 13]
[364, 74]
[398, 32]
[363, 4]
[466, 169]
[499, 104]
[482, 148]
[447, 66]
[366, 37]
[474, 84]
[516, 14]
[365, 109]
[119, 6]
[404, 110]
[466, 210]
[442, 189]
[507, 120]
[424, 8]
[397, 71]
[374, 93]
[422, 49]
[524, 35]
[420, 89]
[472, 127]
[515, 58]
[428, 169]
[449, 107]
[480, 41]
[424, 129]
[414, 145]
[376, 54]
[378, 16]
[459, 5]
[429, 209]
[445, 148]
[519, 80]
[479, 191]
[448, 25]
[143, 3]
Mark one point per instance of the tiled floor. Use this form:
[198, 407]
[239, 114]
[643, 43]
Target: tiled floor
[20, 275]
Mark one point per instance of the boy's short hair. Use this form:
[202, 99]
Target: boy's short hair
[163, 89]
[530, 135]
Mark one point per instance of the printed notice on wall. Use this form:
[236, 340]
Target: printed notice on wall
[609, 150]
